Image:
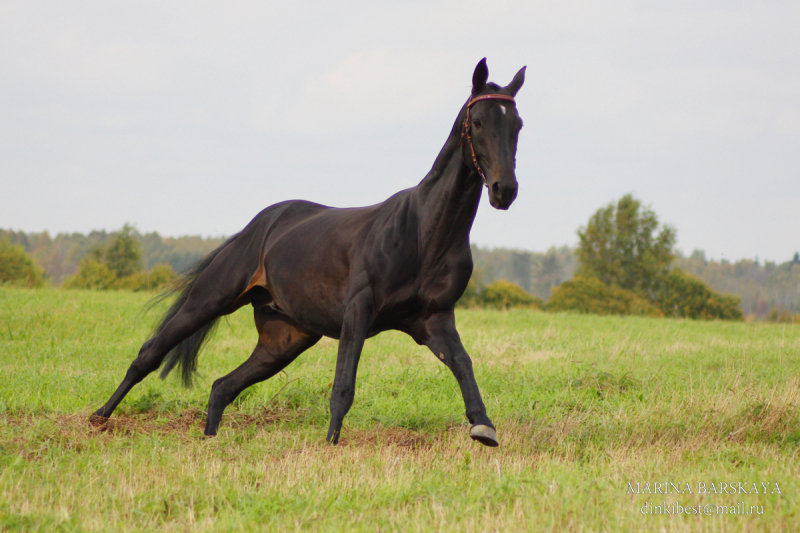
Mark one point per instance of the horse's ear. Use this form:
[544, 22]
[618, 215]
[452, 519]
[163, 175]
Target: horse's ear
[480, 76]
[517, 82]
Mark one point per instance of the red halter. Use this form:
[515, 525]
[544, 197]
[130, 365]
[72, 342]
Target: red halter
[468, 124]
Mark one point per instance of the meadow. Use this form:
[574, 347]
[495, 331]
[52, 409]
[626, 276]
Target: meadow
[605, 424]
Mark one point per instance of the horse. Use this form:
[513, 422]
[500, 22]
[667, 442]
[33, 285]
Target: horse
[309, 271]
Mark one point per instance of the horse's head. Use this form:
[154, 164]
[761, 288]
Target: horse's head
[491, 129]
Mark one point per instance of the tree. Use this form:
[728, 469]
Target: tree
[17, 267]
[124, 253]
[551, 269]
[113, 266]
[622, 247]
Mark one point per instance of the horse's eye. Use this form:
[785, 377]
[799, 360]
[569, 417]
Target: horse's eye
[477, 123]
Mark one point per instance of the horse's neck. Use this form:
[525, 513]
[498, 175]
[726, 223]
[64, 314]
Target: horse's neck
[448, 199]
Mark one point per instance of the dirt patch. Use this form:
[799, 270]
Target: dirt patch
[262, 418]
[385, 436]
[148, 422]
[75, 431]
[187, 421]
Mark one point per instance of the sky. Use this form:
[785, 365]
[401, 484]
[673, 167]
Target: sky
[188, 118]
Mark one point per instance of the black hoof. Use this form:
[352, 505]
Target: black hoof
[484, 434]
[333, 438]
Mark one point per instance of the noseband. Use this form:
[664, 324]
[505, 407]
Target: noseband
[468, 126]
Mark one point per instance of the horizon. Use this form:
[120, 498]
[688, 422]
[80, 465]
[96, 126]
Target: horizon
[678, 252]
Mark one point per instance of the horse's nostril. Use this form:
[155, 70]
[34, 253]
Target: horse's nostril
[496, 187]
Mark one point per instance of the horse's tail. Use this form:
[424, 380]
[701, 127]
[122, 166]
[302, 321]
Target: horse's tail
[185, 353]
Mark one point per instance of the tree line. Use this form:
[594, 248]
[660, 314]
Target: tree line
[60, 257]
[765, 289]
[625, 263]
[762, 286]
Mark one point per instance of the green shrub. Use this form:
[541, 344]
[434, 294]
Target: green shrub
[118, 266]
[590, 295]
[682, 295]
[157, 278]
[503, 294]
[17, 267]
[781, 315]
[92, 274]
[95, 274]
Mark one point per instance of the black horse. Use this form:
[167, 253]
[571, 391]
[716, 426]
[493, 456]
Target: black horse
[309, 270]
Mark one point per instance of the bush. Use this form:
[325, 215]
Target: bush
[157, 278]
[118, 266]
[95, 274]
[92, 274]
[682, 295]
[780, 315]
[590, 295]
[17, 267]
[503, 294]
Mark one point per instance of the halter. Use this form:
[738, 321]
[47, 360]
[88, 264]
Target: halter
[468, 125]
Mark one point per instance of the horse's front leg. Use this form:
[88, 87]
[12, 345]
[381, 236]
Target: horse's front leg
[439, 333]
[355, 326]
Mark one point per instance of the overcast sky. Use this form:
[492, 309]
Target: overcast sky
[190, 117]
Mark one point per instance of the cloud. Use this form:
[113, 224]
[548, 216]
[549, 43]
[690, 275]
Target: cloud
[368, 87]
[674, 101]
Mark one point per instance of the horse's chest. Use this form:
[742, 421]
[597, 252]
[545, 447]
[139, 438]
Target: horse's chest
[443, 286]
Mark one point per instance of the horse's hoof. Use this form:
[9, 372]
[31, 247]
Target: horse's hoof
[484, 434]
[97, 420]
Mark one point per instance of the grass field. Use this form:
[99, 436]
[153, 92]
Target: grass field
[603, 422]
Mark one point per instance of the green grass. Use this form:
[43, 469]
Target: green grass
[583, 405]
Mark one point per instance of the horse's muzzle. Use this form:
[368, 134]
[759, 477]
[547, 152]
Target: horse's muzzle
[502, 195]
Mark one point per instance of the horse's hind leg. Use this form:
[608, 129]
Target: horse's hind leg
[147, 361]
[280, 341]
[151, 355]
[200, 308]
